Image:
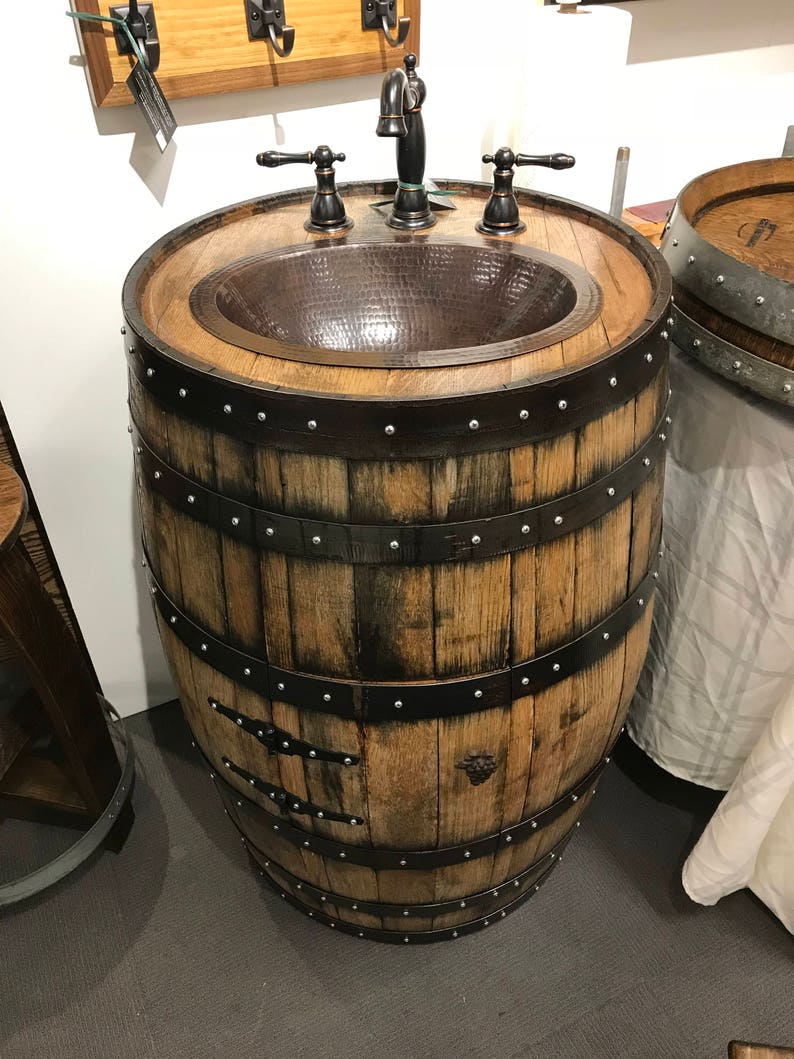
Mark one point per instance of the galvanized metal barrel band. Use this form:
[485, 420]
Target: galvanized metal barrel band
[763, 377]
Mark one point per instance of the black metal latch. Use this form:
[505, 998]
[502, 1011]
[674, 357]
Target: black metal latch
[286, 800]
[142, 25]
[278, 741]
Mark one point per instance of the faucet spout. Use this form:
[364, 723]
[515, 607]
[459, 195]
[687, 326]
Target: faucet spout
[401, 98]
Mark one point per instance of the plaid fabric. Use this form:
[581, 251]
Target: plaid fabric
[722, 647]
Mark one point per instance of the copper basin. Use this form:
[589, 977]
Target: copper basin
[397, 303]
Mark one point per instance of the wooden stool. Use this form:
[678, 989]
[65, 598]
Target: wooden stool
[89, 781]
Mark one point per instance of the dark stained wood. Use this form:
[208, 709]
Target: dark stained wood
[405, 623]
[13, 507]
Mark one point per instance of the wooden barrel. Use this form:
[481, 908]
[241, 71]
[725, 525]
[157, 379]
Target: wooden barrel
[730, 247]
[406, 606]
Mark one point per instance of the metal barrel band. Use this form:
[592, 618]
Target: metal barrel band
[401, 860]
[346, 426]
[763, 377]
[278, 740]
[407, 545]
[417, 937]
[731, 287]
[61, 866]
[355, 904]
[409, 701]
[286, 801]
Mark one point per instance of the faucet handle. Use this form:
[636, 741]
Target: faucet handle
[327, 210]
[550, 161]
[500, 216]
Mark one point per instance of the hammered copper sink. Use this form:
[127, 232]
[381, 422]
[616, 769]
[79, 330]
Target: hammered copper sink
[397, 303]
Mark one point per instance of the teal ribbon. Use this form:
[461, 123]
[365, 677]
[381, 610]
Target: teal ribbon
[86, 16]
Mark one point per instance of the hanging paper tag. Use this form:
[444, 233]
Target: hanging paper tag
[152, 104]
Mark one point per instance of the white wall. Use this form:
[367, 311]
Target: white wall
[84, 193]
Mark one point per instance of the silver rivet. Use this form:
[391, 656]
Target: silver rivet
[649, 357]
[534, 825]
[285, 744]
[157, 475]
[467, 855]
[394, 545]
[348, 761]
[668, 419]
[640, 602]
[173, 619]
[474, 424]
[508, 838]
[476, 539]
[354, 907]
[246, 672]
[296, 805]
[227, 409]
[786, 387]
[406, 912]
[191, 499]
[454, 933]
[138, 449]
[613, 381]
[406, 940]
[720, 279]
[525, 528]
[696, 343]
[316, 540]
[478, 694]
[204, 648]
[149, 373]
[129, 428]
[273, 795]
[398, 704]
[389, 429]
[670, 321]
[280, 687]
[182, 391]
[558, 520]
[737, 364]
[252, 782]
[354, 820]
[494, 893]
[611, 491]
[260, 733]
[486, 922]
[312, 424]
[525, 681]
[667, 227]
[123, 329]
[235, 520]
[403, 863]
[690, 260]
[516, 883]
[675, 242]
[665, 334]
[578, 823]
[270, 531]
[306, 844]
[214, 705]
[556, 667]
[656, 575]
[312, 753]
[760, 300]
[360, 933]
[502, 915]
[261, 416]
[523, 414]
[606, 760]
[562, 405]
[646, 462]
[605, 636]
[326, 697]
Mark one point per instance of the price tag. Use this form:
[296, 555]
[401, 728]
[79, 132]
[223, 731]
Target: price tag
[152, 104]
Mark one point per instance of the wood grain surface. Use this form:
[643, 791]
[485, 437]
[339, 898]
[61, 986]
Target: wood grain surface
[368, 622]
[205, 48]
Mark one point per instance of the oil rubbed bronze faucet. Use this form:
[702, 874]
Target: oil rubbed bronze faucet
[401, 99]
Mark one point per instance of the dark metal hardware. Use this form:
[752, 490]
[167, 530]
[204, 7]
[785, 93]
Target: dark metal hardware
[143, 26]
[500, 216]
[286, 801]
[393, 702]
[327, 212]
[479, 766]
[402, 95]
[382, 14]
[279, 741]
[405, 544]
[429, 910]
[267, 21]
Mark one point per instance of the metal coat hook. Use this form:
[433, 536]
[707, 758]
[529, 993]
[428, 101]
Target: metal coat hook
[141, 24]
[267, 21]
[382, 14]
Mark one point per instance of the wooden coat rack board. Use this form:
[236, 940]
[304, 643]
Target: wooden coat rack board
[205, 48]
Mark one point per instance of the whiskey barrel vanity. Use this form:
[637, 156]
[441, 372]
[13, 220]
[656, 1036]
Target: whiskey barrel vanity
[401, 504]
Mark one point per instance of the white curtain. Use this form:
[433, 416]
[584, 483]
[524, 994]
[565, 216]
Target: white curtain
[715, 703]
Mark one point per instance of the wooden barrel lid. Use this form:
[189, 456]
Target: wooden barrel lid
[13, 507]
[632, 282]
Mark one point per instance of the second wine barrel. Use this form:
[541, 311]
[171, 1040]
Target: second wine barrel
[405, 586]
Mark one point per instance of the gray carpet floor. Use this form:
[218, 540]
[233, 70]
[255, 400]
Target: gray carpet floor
[172, 948]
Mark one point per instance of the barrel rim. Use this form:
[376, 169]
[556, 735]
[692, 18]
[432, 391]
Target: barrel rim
[658, 274]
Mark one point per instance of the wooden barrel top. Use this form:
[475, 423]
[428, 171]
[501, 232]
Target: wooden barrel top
[157, 292]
